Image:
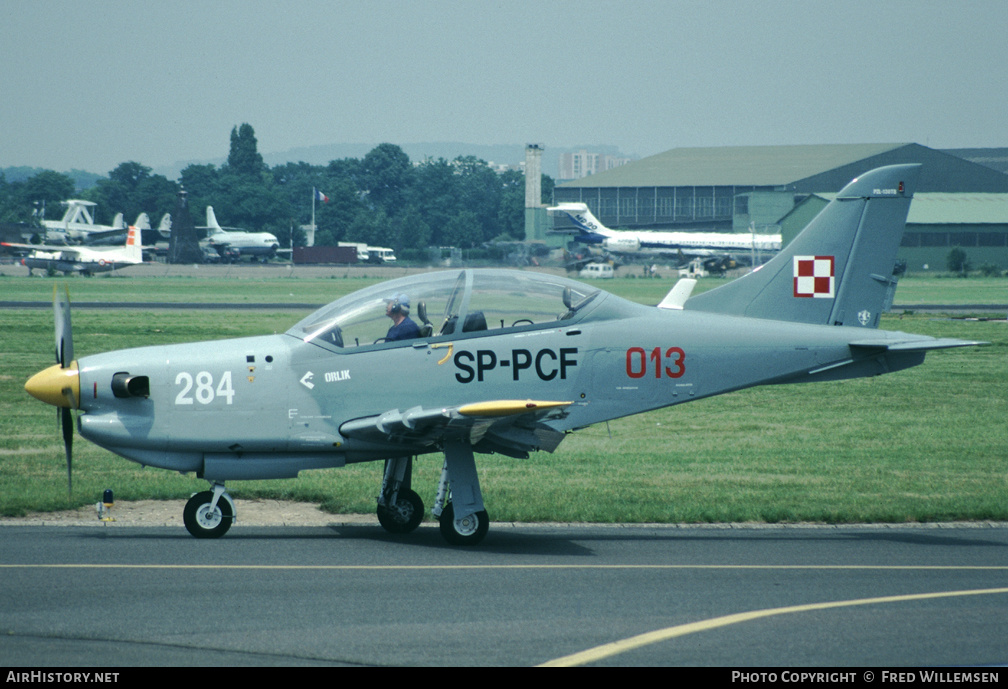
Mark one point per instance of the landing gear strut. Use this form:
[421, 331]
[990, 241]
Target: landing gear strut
[458, 506]
[460, 512]
[209, 514]
[400, 509]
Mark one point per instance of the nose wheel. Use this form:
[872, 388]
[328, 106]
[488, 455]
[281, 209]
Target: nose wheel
[209, 514]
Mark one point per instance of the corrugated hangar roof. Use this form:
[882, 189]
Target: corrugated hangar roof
[954, 209]
[758, 166]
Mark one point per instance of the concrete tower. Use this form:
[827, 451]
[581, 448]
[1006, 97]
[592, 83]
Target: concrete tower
[535, 211]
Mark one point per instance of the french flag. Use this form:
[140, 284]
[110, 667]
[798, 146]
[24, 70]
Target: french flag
[319, 196]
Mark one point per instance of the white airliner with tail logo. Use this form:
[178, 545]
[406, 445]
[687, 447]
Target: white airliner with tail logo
[591, 231]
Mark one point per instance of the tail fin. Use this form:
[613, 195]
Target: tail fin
[134, 245]
[841, 269]
[164, 227]
[142, 222]
[118, 223]
[211, 221]
[582, 218]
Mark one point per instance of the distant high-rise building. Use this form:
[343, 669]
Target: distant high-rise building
[584, 163]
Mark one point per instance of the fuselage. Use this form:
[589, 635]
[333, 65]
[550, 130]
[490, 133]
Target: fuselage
[267, 407]
[53, 260]
[685, 243]
[247, 243]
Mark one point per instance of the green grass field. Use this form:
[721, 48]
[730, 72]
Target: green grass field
[926, 444]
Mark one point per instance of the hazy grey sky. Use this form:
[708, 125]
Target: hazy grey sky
[91, 84]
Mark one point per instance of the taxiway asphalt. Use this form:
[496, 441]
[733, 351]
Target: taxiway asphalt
[353, 595]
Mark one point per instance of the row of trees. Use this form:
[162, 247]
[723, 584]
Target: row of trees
[382, 199]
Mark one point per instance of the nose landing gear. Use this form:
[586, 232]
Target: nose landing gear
[209, 514]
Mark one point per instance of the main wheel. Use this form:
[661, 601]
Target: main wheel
[201, 521]
[405, 516]
[467, 531]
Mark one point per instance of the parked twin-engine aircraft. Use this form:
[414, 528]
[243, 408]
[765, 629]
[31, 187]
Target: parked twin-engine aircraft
[688, 244]
[255, 244]
[499, 361]
[84, 259]
[78, 225]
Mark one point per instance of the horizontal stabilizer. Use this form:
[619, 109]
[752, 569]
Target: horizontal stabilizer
[922, 344]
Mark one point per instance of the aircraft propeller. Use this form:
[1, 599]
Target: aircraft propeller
[65, 358]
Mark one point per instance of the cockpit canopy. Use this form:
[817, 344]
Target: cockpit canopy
[479, 300]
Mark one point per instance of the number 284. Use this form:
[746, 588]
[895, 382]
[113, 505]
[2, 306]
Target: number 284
[670, 362]
[204, 390]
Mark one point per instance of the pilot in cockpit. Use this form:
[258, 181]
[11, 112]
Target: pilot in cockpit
[403, 328]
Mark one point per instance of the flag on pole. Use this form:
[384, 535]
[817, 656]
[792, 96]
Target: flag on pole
[319, 196]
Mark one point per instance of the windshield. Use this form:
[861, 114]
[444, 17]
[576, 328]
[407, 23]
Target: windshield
[438, 302]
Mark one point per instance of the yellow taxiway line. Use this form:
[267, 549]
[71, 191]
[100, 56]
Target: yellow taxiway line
[618, 647]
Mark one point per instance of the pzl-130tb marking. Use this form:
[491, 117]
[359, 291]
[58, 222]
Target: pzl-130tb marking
[497, 361]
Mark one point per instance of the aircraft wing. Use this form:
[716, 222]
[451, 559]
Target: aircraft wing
[38, 247]
[67, 253]
[510, 427]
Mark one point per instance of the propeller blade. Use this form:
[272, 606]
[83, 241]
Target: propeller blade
[64, 357]
[64, 331]
[67, 419]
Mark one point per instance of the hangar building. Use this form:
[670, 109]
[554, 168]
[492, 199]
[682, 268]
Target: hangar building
[779, 188]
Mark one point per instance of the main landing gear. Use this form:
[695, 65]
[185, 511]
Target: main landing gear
[459, 509]
[400, 509]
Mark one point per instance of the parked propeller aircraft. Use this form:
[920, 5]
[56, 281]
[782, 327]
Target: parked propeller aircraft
[254, 244]
[498, 361]
[83, 259]
[78, 225]
[687, 244]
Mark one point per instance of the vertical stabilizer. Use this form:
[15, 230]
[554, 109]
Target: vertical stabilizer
[142, 222]
[840, 270]
[164, 227]
[134, 245]
[211, 221]
[583, 218]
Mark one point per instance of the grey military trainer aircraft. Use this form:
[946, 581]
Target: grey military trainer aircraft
[498, 361]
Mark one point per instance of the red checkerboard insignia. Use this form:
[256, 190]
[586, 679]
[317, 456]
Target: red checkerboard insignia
[813, 276]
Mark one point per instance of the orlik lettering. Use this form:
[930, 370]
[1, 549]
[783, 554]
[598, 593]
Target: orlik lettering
[547, 364]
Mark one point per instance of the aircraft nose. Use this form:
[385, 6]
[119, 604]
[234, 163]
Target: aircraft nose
[56, 385]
